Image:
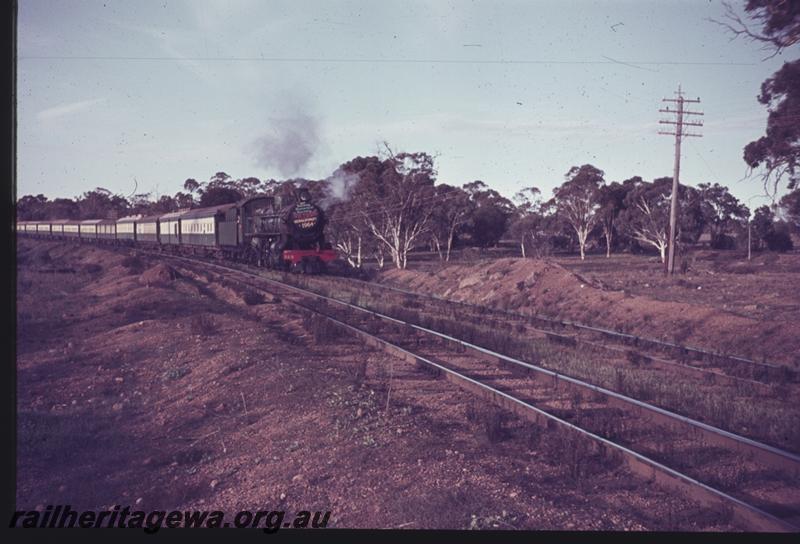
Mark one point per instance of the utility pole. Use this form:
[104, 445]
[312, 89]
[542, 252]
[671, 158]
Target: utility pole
[679, 134]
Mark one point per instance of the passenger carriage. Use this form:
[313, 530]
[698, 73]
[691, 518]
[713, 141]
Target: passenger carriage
[88, 229]
[57, 228]
[170, 228]
[107, 230]
[126, 228]
[72, 229]
[212, 227]
[147, 230]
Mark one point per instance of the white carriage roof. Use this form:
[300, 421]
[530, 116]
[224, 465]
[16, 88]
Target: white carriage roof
[175, 215]
[208, 212]
[129, 219]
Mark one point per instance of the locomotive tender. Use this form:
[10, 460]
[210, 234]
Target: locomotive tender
[257, 230]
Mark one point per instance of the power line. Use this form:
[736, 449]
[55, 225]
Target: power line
[376, 60]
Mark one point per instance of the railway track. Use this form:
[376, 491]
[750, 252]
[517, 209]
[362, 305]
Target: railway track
[692, 361]
[757, 483]
[761, 411]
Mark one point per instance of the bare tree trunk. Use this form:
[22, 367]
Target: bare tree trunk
[450, 237]
[438, 247]
[396, 258]
[609, 233]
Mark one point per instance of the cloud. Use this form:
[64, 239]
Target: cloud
[67, 109]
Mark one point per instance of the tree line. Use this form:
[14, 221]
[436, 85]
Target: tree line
[384, 206]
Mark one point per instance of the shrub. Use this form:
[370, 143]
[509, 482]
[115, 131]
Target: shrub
[323, 329]
[779, 240]
[93, 268]
[358, 372]
[723, 241]
[174, 373]
[133, 263]
[252, 298]
[202, 325]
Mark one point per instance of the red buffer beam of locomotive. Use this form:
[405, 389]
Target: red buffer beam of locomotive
[296, 256]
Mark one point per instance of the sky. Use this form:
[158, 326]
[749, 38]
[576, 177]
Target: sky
[138, 96]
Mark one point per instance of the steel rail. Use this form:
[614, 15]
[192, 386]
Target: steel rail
[638, 463]
[652, 360]
[577, 325]
[775, 457]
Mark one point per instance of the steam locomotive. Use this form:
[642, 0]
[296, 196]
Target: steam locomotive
[287, 237]
[263, 230]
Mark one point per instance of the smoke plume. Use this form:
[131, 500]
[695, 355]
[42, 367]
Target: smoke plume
[289, 144]
[338, 187]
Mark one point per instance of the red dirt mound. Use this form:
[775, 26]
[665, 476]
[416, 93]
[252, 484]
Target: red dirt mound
[159, 275]
[545, 288]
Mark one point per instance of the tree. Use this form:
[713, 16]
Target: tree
[577, 201]
[120, 207]
[487, 225]
[778, 150]
[527, 200]
[762, 226]
[191, 185]
[95, 204]
[780, 22]
[249, 186]
[488, 216]
[165, 204]
[481, 195]
[141, 204]
[32, 208]
[790, 208]
[220, 178]
[646, 215]
[533, 231]
[183, 200]
[611, 199]
[780, 239]
[720, 210]
[769, 232]
[450, 213]
[216, 196]
[63, 208]
[394, 196]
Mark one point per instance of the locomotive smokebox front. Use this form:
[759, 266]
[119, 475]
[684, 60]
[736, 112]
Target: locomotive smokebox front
[305, 222]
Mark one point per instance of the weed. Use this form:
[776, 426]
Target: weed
[358, 372]
[252, 298]
[322, 328]
[93, 268]
[202, 325]
[134, 264]
[175, 373]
